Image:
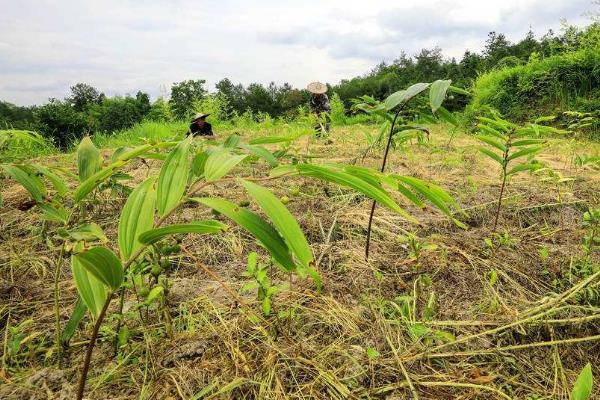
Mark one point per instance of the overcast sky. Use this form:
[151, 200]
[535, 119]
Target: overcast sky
[120, 46]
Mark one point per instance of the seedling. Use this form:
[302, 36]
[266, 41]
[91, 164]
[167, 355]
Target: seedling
[512, 147]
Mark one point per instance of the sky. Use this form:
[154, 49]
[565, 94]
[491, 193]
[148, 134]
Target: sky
[122, 46]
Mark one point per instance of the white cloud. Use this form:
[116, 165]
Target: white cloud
[121, 46]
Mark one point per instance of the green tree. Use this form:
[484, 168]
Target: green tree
[59, 121]
[183, 96]
[83, 96]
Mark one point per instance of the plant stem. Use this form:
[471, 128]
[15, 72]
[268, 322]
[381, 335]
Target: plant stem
[500, 200]
[120, 320]
[90, 349]
[57, 300]
[385, 156]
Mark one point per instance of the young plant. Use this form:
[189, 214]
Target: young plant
[261, 282]
[591, 223]
[391, 111]
[415, 246]
[512, 147]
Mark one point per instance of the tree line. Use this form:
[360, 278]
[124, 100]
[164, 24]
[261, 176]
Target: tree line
[88, 110]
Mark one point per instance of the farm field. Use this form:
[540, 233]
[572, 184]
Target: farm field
[438, 311]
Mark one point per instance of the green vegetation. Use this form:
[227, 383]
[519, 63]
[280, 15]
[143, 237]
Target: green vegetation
[138, 262]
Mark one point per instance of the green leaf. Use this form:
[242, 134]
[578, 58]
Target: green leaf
[524, 152]
[232, 141]
[345, 179]
[73, 323]
[208, 226]
[219, 163]
[92, 291]
[492, 155]
[446, 116]
[437, 93]
[198, 163]
[527, 142]
[54, 213]
[458, 90]
[31, 183]
[493, 132]
[435, 194]
[372, 353]
[88, 232]
[492, 142]
[522, 167]
[173, 178]
[270, 139]
[89, 160]
[137, 216]
[253, 223]
[260, 152]
[58, 184]
[102, 264]
[283, 220]
[154, 293]
[582, 390]
[402, 96]
[90, 184]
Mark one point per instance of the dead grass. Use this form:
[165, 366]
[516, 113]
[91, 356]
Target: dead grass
[326, 348]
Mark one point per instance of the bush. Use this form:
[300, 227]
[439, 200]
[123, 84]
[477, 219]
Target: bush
[338, 111]
[542, 86]
[60, 122]
[117, 113]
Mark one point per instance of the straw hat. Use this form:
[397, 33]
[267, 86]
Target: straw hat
[317, 87]
[199, 116]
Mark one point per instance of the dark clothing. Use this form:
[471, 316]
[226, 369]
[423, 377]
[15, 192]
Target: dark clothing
[320, 106]
[195, 130]
[320, 103]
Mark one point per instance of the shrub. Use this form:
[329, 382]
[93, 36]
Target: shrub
[542, 86]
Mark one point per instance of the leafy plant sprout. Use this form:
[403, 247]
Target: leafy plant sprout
[390, 110]
[511, 145]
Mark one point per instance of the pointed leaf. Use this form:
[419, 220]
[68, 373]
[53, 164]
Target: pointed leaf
[582, 390]
[492, 155]
[208, 226]
[403, 96]
[73, 323]
[54, 213]
[102, 264]
[524, 152]
[284, 222]
[345, 179]
[137, 216]
[253, 223]
[437, 93]
[90, 184]
[270, 139]
[446, 116]
[260, 152]
[492, 142]
[173, 178]
[522, 167]
[219, 163]
[58, 184]
[92, 291]
[31, 183]
[88, 159]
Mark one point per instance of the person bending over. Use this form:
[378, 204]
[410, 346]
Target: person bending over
[200, 127]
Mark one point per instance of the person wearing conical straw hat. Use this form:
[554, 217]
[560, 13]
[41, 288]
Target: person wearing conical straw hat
[199, 126]
[319, 105]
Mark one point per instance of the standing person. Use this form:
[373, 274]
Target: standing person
[319, 105]
[200, 127]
